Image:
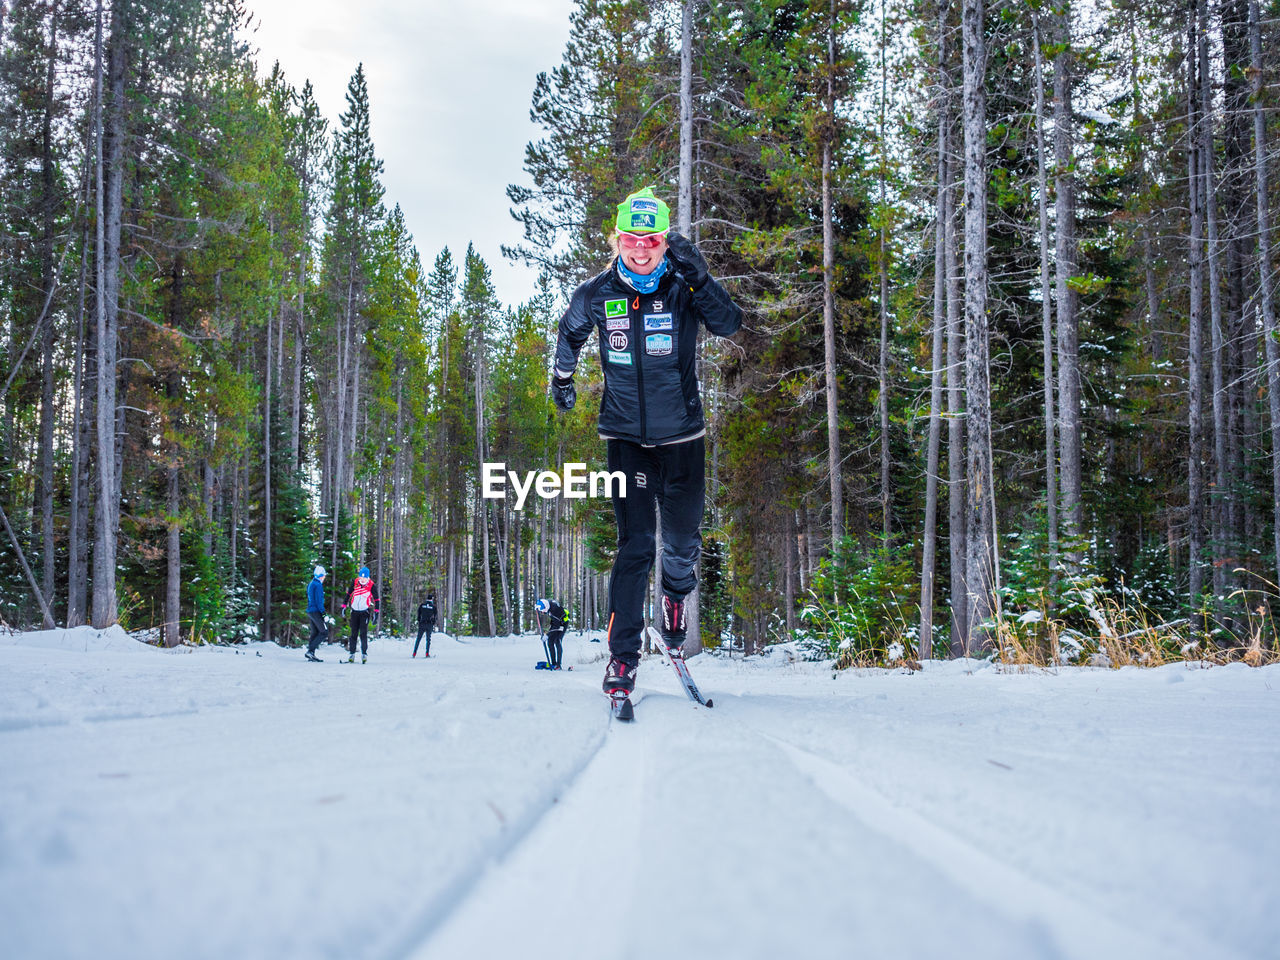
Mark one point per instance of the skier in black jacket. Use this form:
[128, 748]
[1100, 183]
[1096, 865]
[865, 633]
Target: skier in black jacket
[556, 623]
[426, 624]
[646, 308]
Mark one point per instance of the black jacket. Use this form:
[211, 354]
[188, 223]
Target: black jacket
[648, 350]
[556, 618]
[426, 613]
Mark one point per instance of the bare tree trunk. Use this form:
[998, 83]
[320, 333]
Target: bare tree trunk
[1218, 506]
[339, 437]
[1229, 181]
[235, 523]
[206, 498]
[1046, 317]
[828, 297]
[77, 545]
[173, 561]
[1065, 254]
[110, 187]
[45, 614]
[980, 562]
[957, 487]
[1195, 374]
[790, 565]
[266, 488]
[482, 506]
[1148, 257]
[942, 216]
[380, 528]
[684, 216]
[501, 533]
[399, 595]
[1265, 278]
[44, 484]
[886, 513]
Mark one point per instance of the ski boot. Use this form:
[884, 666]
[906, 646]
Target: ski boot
[674, 625]
[313, 658]
[364, 659]
[619, 677]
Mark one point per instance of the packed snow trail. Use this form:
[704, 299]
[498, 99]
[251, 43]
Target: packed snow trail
[241, 802]
[844, 875]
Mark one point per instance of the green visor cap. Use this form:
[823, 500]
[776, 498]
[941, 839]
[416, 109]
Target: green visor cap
[642, 212]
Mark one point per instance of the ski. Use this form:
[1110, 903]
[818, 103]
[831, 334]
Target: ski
[620, 706]
[676, 659]
[682, 671]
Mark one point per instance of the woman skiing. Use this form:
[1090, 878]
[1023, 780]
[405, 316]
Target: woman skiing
[647, 308]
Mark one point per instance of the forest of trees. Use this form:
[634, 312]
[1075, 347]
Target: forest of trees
[1009, 379]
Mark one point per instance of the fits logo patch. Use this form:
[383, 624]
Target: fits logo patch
[618, 340]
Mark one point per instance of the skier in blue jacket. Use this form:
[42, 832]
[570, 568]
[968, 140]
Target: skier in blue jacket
[315, 613]
[646, 309]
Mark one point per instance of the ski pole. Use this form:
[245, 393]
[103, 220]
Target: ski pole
[546, 651]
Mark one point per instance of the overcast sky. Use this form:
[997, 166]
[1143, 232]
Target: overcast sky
[450, 83]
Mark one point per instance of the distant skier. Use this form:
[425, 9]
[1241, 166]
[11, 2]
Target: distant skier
[362, 598]
[315, 613]
[556, 623]
[426, 624]
[647, 308]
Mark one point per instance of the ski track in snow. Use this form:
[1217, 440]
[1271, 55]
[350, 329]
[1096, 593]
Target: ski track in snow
[1004, 888]
[241, 803]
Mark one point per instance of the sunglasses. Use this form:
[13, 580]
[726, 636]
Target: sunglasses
[648, 241]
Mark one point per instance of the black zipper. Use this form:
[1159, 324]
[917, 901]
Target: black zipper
[637, 324]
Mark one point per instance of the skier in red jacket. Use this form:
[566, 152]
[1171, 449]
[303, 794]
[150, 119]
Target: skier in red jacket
[362, 598]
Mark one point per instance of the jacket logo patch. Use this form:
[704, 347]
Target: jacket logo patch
[657, 321]
[617, 323]
[657, 344]
[615, 308]
[657, 304]
[621, 358]
[618, 340]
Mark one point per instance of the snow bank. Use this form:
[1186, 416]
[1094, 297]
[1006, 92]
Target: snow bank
[79, 640]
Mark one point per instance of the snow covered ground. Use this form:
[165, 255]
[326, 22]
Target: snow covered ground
[242, 803]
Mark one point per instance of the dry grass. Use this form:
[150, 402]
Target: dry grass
[1124, 634]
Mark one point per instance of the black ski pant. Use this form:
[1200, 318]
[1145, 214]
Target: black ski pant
[673, 478]
[555, 646]
[424, 631]
[319, 631]
[359, 628]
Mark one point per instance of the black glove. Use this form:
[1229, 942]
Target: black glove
[687, 260]
[563, 392]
